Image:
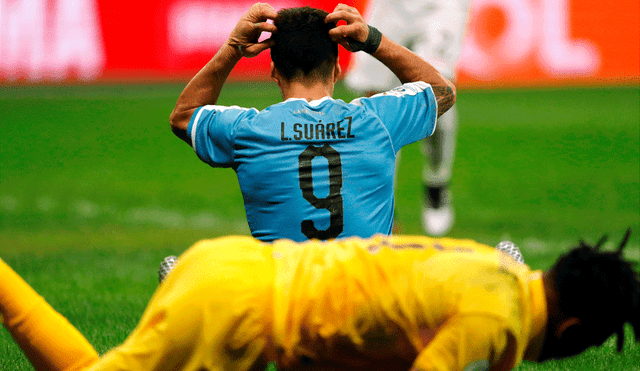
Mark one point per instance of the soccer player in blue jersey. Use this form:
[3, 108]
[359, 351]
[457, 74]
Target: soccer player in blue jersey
[312, 166]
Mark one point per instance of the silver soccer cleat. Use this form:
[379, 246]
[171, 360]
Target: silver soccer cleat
[167, 266]
[511, 249]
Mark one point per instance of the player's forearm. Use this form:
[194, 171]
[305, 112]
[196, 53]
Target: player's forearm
[409, 67]
[204, 88]
[47, 339]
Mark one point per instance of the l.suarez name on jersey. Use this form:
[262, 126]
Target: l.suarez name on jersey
[317, 130]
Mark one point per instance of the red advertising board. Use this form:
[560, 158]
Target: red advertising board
[533, 42]
[509, 42]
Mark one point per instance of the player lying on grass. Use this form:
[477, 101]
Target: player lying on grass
[384, 303]
[311, 166]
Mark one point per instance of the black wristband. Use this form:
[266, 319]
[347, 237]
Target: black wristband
[370, 45]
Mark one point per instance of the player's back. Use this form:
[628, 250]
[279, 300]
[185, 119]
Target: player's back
[321, 169]
[383, 292]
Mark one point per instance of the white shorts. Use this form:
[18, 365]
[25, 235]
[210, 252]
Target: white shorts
[433, 29]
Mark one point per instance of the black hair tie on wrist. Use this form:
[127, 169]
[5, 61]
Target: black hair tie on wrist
[370, 45]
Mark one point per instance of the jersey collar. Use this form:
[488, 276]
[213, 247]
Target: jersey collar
[312, 103]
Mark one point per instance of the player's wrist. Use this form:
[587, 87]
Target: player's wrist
[370, 45]
[232, 49]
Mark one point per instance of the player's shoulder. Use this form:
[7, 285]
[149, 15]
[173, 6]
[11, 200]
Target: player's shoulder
[219, 108]
[417, 241]
[410, 89]
[439, 243]
[216, 112]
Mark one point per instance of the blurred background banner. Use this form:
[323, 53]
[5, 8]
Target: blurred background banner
[510, 42]
[532, 42]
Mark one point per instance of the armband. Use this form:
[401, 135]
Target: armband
[370, 45]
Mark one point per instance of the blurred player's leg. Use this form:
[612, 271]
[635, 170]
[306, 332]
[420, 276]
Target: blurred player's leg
[48, 340]
[443, 25]
[439, 151]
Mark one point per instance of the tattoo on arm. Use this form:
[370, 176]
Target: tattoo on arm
[445, 97]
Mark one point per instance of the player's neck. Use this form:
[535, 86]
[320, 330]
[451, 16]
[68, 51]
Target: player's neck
[306, 90]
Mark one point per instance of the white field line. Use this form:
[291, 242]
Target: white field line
[154, 215]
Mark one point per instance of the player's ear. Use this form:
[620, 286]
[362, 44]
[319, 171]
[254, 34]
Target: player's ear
[274, 74]
[337, 71]
[565, 325]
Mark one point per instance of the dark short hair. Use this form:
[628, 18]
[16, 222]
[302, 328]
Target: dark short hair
[302, 47]
[599, 288]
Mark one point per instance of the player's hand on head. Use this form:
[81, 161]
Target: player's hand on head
[246, 34]
[355, 28]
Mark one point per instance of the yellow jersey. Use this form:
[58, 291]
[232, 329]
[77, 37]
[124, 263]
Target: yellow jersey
[391, 303]
[459, 304]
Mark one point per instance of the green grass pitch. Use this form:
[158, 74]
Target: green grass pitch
[95, 190]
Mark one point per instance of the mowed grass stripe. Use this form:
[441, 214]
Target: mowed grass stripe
[85, 211]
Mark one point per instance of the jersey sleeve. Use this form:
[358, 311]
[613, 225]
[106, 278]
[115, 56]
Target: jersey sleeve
[408, 112]
[468, 343]
[212, 133]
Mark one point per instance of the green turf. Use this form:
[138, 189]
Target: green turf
[95, 190]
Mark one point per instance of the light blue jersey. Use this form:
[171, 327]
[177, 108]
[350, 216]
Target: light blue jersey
[322, 169]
